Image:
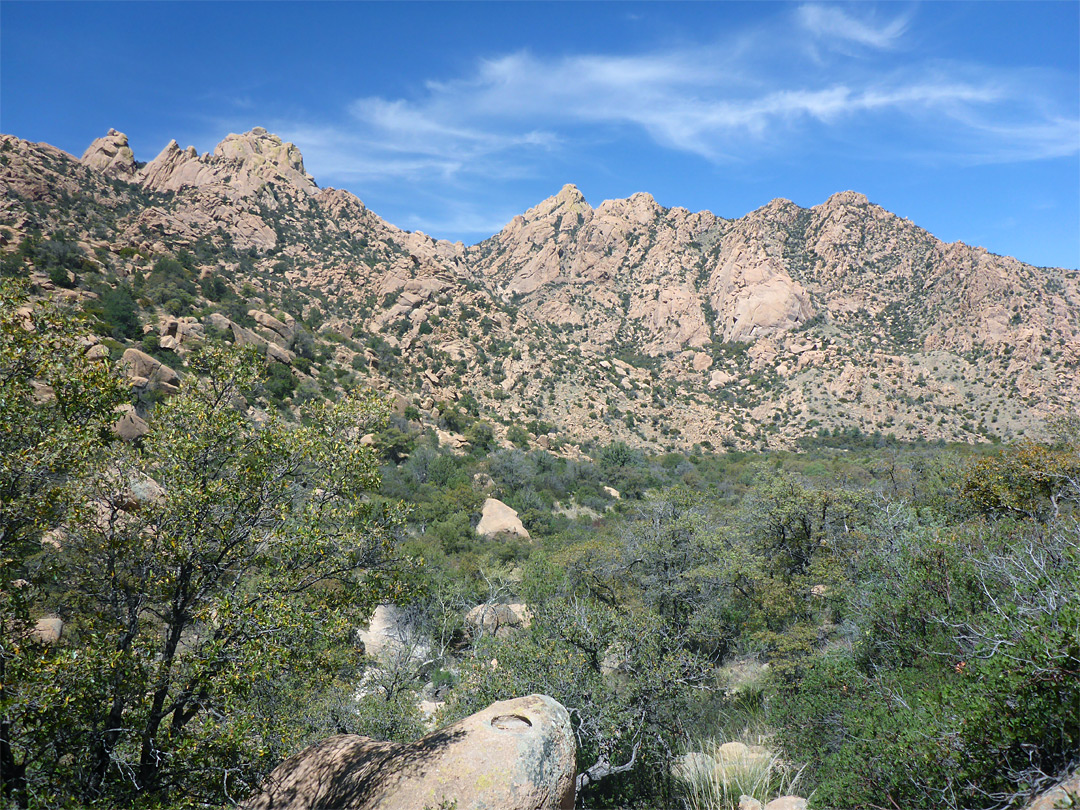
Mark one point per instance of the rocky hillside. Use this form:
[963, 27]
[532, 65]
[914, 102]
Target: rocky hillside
[628, 321]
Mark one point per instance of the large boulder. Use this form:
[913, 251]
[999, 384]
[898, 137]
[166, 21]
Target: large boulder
[514, 755]
[499, 620]
[47, 630]
[497, 518]
[131, 427]
[149, 371]
[277, 331]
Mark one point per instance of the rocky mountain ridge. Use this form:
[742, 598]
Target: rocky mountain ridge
[629, 321]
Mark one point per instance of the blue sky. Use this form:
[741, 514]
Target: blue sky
[453, 117]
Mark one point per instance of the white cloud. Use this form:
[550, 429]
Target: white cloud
[740, 98]
[831, 22]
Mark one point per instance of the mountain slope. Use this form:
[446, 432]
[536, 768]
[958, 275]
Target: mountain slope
[628, 321]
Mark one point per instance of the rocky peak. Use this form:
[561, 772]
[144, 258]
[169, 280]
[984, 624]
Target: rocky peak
[111, 156]
[241, 164]
[842, 198]
[639, 209]
[571, 195]
[172, 169]
[568, 201]
[266, 155]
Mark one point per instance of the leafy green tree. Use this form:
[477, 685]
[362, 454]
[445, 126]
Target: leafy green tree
[1030, 479]
[481, 437]
[56, 408]
[211, 580]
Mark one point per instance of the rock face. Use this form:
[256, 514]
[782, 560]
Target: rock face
[242, 163]
[594, 320]
[497, 518]
[514, 755]
[111, 156]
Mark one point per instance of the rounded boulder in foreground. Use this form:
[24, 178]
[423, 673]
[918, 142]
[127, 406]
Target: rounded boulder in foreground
[514, 755]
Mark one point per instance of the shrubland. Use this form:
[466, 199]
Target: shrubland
[895, 623]
[908, 613]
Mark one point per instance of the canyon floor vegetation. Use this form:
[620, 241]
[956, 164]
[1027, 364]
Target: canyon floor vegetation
[880, 624]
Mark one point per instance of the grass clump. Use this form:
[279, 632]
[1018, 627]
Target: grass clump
[720, 773]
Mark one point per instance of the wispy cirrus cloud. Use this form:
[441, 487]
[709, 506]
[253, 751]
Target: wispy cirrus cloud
[818, 79]
[835, 23]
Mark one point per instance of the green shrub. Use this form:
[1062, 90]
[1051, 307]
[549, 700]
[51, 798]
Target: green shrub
[481, 437]
[280, 383]
[120, 313]
[961, 691]
[59, 276]
[518, 436]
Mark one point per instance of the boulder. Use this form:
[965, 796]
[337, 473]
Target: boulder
[514, 755]
[242, 336]
[43, 393]
[430, 710]
[719, 379]
[135, 491]
[275, 352]
[138, 364]
[1065, 794]
[53, 539]
[455, 441]
[497, 518]
[398, 402]
[748, 803]
[283, 331]
[384, 631]
[787, 803]
[218, 321]
[99, 351]
[131, 427]
[47, 630]
[499, 620]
